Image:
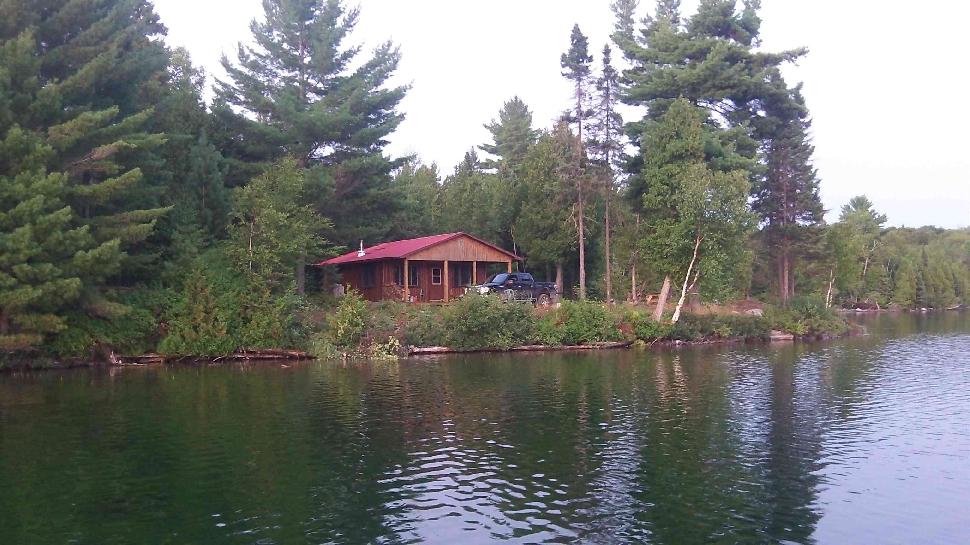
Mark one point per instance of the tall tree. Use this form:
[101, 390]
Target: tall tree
[786, 197]
[546, 226]
[302, 92]
[606, 148]
[76, 83]
[576, 64]
[469, 200]
[512, 135]
[420, 192]
[712, 61]
[697, 217]
[271, 225]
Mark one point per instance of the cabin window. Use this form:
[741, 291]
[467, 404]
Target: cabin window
[463, 275]
[413, 276]
[368, 276]
[399, 275]
[436, 276]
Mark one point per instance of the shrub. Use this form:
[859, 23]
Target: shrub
[347, 324]
[482, 322]
[426, 328]
[584, 322]
[646, 329]
[548, 331]
[133, 330]
[806, 315]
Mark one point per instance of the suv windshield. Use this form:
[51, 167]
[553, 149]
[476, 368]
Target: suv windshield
[497, 278]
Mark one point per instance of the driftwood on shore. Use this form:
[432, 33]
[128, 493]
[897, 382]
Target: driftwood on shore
[241, 355]
[433, 350]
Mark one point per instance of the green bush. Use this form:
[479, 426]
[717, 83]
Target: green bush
[135, 329]
[585, 322]
[548, 332]
[197, 323]
[695, 327]
[646, 329]
[347, 324]
[485, 322]
[806, 316]
[427, 327]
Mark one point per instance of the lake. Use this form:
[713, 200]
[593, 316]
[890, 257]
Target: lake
[860, 440]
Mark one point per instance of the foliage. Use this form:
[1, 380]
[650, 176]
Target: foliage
[273, 228]
[580, 322]
[486, 322]
[348, 323]
[697, 218]
[427, 327]
[301, 91]
[223, 311]
[806, 316]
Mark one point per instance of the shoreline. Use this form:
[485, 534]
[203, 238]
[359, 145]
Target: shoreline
[417, 353]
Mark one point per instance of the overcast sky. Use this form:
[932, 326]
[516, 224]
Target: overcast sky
[886, 81]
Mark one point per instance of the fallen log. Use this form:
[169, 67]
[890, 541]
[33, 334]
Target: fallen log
[435, 350]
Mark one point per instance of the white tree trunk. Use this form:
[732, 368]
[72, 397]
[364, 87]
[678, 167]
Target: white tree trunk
[688, 285]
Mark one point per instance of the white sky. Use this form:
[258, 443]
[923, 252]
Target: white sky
[885, 81]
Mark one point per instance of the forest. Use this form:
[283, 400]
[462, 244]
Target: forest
[136, 214]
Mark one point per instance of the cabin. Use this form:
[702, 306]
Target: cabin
[435, 268]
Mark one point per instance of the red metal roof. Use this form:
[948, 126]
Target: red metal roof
[400, 249]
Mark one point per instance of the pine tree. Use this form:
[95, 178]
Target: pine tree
[697, 217]
[787, 196]
[470, 199]
[606, 148]
[712, 61]
[47, 258]
[420, 193]
[904, 292]
[547, 232]
[76, 83]
[512, 135]
[576, 67]
[302, 92]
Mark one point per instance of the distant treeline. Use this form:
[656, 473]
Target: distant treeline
[135, 215]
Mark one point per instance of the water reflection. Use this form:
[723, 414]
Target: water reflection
[825, 443]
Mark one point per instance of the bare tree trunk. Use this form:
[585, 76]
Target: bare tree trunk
[634, 294]
[582, 248]
[783, 288]
[609, 268]
[559, 282]
[633, 284]
[688, 285]
[828, 294]
[252, 227]
[658, 313]
[301, 275]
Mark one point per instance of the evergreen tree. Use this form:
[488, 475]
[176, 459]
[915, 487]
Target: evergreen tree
[576, 67]
[624, 27]
[469, 200]
[512, 135]
[76, 83]
[272, 226]
[546, 227]
[606, 148]
[697, 217]
[420, 192]
[712, 61]
[787, 200]
[46, 258]
[302, 92]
